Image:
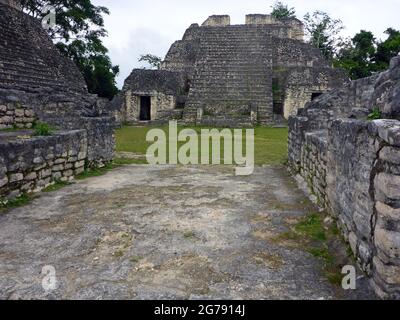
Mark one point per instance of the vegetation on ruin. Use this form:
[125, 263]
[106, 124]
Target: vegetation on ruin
[56, 186]
[270, 143]
[14, 203]
[95, 172]
[319, 239]
[375, 114]
[42, 129]
[78, 34]
[282, 11]
[152, 60]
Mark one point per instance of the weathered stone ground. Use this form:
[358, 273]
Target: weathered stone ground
[142, 232]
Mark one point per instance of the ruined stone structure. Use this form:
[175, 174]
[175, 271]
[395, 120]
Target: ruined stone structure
[38, 84]
[352, 167]
[222, 74]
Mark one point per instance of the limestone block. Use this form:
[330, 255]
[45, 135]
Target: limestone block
[389, 185]
[3, 182]
[58, 167]
[78, 171]
[31, 176]
[57, 175]
[388, 242]
[19, 112]
[68, 173]
[38, 160]
[81, 155]
[27, 187]
[3, 108]
[6, 119]
[68, 166]
[60, 161]
[79, 164]
[387, 212]
[44, 173]
[29, 113]
[15, 177]
[389, 130]
[389, 273]
[390, 154]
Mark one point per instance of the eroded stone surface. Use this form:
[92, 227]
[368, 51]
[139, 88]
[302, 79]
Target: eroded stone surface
[142, 232]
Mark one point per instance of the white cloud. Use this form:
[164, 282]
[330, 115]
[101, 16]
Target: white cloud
[139, 27]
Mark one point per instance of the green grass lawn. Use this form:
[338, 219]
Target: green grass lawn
[270, 143]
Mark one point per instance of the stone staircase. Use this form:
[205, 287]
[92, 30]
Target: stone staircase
[234, 71]
[29, 61]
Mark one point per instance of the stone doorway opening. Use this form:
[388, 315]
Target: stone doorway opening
[315, 95]
[145, 108]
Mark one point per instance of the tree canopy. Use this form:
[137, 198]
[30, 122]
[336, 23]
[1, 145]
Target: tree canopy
[282, 11]
[323, 32]
[364, 55]
[153, 60]
[78, 29]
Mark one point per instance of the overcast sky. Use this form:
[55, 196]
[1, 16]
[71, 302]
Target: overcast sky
[140, 27]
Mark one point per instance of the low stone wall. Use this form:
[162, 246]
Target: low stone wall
[352, 168]
[16, 115]
[313, 165]
[31, 164]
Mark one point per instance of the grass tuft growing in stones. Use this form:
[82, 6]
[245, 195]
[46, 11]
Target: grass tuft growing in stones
[14, 203]
[56, 186]
[319, 240]
[96, 172]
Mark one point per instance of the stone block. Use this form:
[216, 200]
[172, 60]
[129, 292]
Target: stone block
[389, 185]
[45, 173]
[78, 171]
[19, 112]
[390, 154]
[68, 173]
[3, 108]
[15, 177]
[388, 242]
[58, 167]
[79, 164]
[31, 176]
[3, 182]
[57, 175]
[386, 212]
[389, 273]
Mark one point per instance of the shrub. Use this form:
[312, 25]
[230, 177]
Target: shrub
[375, 114]
[42, 129]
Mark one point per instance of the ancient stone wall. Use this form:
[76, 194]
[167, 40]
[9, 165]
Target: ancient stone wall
[38, 83]
[351, 167]
[217, 21]
[16, 115]
[33, 163]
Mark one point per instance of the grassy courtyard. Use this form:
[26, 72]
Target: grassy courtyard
[270, 143]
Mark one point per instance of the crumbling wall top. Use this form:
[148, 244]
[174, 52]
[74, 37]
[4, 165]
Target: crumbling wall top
[217, 21]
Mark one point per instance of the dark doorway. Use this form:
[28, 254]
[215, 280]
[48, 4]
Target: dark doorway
[315, 95]
[145, 108]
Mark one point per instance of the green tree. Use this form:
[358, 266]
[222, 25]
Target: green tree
[282, 11]
[387, 49]
[77, 33]
[323, 32]
[357, 57]
[152, 60]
